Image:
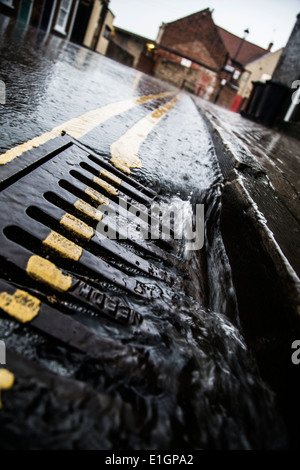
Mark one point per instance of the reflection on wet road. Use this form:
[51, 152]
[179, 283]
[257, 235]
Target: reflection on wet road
[79, 126]
[164, 364]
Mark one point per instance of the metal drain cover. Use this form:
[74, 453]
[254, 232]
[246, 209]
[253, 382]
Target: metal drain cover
[107, 339]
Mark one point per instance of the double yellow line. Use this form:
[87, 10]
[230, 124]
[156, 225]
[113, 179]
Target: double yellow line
[77, 127]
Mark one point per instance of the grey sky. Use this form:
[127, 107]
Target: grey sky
[267, 20]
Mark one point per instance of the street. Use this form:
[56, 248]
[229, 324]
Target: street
[126, 345]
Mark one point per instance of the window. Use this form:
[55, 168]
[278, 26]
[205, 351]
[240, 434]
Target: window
[107, 32]
[186, 62]
[63, 15]
[236, 74]
[9, 3]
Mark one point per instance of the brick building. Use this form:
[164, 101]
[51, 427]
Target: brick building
[192, 53]
[216, 57]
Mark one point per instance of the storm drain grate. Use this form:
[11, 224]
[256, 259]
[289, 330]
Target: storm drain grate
[109, 341]
[52, 258]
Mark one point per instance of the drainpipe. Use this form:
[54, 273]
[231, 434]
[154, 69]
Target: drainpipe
[246, 31]
[295, 102]
[73, 20]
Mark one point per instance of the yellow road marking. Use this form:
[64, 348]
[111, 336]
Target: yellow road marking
[64, 247]
[79, 126]
[42, 270]
[125, 151]
[77, 227]
[97, 196]
[36, 142]
[108, 187]
[20, 305]
[136, 81]
[7, 379]
[88, 210]
[115, 179]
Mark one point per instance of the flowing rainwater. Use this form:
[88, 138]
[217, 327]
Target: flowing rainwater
[191, 382]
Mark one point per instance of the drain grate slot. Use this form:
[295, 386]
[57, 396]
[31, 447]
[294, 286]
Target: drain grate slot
[78, 290]
[83, 192]
[84, 235]
[119, 184]
[102, 164]
[76, 207]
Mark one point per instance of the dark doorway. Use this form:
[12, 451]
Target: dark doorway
[81, 21]
[49, 5]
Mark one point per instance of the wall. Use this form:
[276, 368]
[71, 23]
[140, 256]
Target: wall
[255, 70]
[93, 23]
[36, 14]
[130, 43]
[103, 43]
[206, 84]
[197, 36]
[145, 64]
[226, 96]
[115, 52]
[176, 74]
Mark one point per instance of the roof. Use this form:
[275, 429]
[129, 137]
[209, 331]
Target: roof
[248, 51]
[268, 54]
[134, 35]
[202, 12]
[196, 29]
[243, 54]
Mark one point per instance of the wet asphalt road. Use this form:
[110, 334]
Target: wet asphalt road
[198, 357]
[50, 81]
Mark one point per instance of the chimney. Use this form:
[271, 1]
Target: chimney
[270, 47]
[160, 32]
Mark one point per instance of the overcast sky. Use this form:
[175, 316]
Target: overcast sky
[267, 20]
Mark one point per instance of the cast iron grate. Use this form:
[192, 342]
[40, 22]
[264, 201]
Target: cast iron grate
[50, 248]
[110, 340]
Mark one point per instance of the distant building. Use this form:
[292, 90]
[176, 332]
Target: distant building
[218, 55]
[85, 22]
[127, 47]
[191, 53]
[259, 70]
